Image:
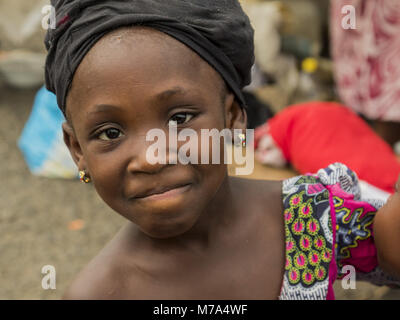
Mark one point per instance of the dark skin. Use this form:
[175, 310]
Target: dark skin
[221, 237]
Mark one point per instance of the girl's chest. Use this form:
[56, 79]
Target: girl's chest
[251, 277]
[249, 272]
[254, 279]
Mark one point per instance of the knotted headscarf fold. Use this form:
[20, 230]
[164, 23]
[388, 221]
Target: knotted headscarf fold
[217, 30]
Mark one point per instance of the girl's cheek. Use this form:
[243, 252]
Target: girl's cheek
[104, 170]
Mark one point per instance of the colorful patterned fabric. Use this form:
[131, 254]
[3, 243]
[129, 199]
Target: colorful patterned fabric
[366, 59]
[328, 225]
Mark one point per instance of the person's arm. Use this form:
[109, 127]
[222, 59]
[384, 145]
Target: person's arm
[387, 234]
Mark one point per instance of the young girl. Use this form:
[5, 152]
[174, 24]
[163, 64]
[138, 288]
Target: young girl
[122, 68]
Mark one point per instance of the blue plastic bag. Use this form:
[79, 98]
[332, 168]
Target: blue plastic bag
[41, 141]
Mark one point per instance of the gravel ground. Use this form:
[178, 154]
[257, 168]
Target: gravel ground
[35, 214]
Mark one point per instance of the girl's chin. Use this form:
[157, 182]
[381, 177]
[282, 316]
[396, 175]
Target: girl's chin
[165, 223]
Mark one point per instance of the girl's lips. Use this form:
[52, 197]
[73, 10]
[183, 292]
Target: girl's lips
[167, 194]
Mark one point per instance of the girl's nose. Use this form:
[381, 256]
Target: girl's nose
[150, 156]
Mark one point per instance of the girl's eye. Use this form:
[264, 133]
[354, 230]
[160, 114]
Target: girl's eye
[110, 134]
[180, 118]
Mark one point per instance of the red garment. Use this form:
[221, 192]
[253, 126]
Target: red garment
[315, 134]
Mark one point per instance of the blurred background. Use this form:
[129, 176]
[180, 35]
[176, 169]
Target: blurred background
[47, 217]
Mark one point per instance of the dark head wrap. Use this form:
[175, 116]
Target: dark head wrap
[217, 30]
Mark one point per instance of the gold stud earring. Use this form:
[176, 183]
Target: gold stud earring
[83, 177]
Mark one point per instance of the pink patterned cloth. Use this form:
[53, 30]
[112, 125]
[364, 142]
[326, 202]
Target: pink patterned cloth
[367, 59]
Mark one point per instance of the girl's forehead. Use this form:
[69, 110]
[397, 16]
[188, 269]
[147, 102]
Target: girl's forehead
[140, 54]
[142, 45]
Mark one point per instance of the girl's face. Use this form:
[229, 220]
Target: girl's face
[134, 80]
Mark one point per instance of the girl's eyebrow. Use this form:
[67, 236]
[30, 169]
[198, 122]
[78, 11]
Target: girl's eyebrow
[104, 108]
[170, 92]
[99, 108]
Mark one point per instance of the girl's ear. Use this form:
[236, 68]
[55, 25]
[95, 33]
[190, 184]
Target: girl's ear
[236, 117]
[73, 145]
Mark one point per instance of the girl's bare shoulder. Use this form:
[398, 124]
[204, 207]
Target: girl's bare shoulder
[263, 195]
[261, 201]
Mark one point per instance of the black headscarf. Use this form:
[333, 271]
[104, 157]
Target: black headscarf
[217, 30]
